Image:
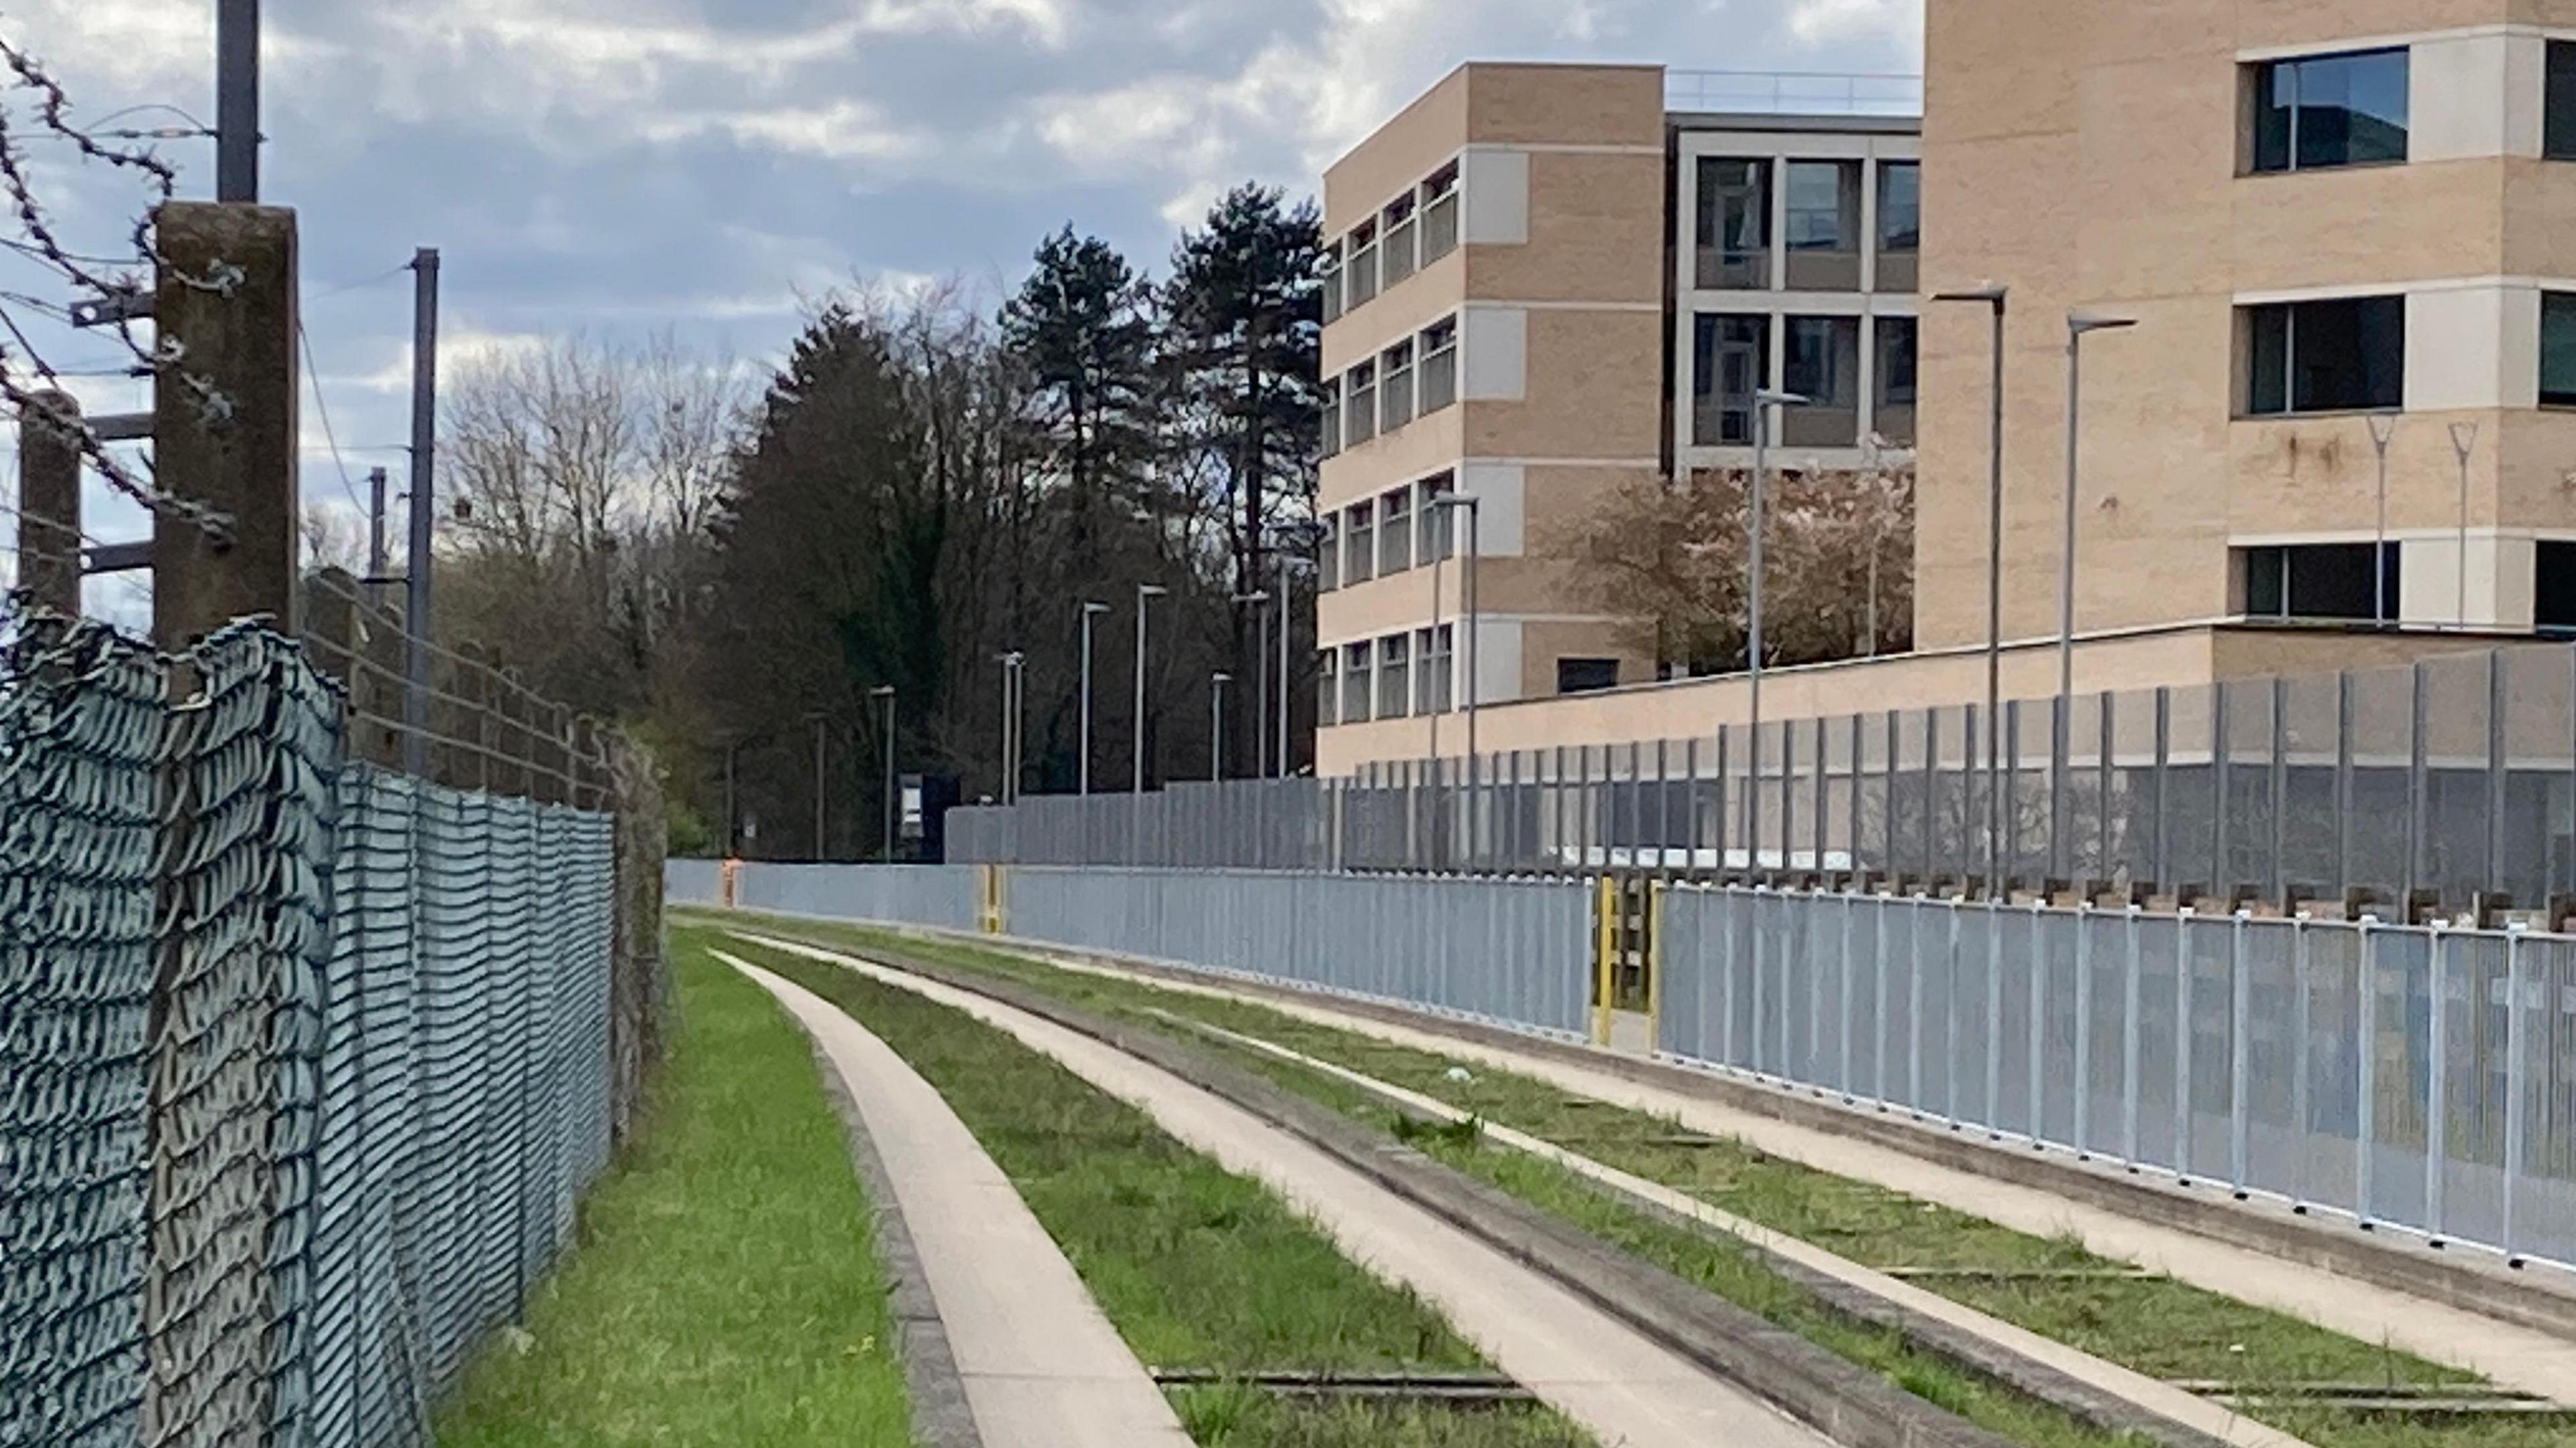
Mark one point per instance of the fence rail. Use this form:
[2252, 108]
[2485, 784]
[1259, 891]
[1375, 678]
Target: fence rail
[2447, 787]
[2422, 1079]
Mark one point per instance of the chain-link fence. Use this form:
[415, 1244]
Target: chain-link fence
[302, 1061]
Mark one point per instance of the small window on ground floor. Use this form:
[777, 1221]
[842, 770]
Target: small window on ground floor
[2553, 587]
[2320, 581]
[2558, 349]
[2342, 355]
[1586, 676]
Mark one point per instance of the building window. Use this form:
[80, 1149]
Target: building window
[1734, 224]
[1395, 406]
[2558, 349]
[1439, 682]
[1731, 360]
[1440, 214]
[2322, 111]
[2553, 586]
[1328, 683]
[1586, 676]
[1395, 532]
[1823, 366]
[1892, 412]
[1359, 404]
[1900, 225]
[1439, 365]
[2558, 130]
[2323, 581]
[1359, 545]
[1355, 684]
[1328, 553]
[1359, 282]
[1332, 438]
[1400, 233]
[2337, 356]
[1824, 226]
[1394, 677]
[1331, 276]
[1439, 524]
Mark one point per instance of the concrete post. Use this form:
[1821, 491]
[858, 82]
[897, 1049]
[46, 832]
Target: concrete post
[379, 690]
[49, 502]
[331, 625]
[225, 423]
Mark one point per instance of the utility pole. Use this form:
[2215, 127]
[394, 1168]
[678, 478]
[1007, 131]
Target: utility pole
[424, 466]
[1145, 594]
[1216, 726]
[49, 504]
[822, 839]
[237, 100]
[376, 535]
[1287, 695]
[1090, 611]
[886, 693]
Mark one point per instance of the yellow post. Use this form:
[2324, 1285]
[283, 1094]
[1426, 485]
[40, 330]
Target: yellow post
[729, 883]
[989, 882]
[1604, 959]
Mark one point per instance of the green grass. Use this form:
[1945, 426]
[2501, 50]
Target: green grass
[726, 1287]
[1198, 1268]
[2157, 1326]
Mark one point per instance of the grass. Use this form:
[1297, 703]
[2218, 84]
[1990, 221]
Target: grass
[2157, 1326]
[726, 1286]
[1198, 1268]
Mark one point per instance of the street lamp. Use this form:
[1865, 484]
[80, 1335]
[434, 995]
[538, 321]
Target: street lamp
[886, 693]
[1764, 399]
[1145, 593]
[2464, 441]
[1012, 677]
[1463, 659]
[1216, 725]
[1995, 296]
[2383, 431]
[1258, 599]
[1090, 611]
[2078, 327]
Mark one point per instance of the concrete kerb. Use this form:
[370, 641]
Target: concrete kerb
[2488, 1289]
[1847, 1403]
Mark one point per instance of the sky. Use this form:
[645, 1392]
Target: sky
[612, 168]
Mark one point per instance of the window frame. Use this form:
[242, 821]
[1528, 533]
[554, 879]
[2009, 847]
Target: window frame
[1395, 524]
[1395, 395]
[2564, 304]
[1762, 256]
[2558, 121]
[1881, 401]
[1330, 439]
[1359, 404]
[1436, 351]
[1328, 695]
[1439, 542]
[1359, 544]
[1359, 672]
[1360, 269]
[1706, 369]
[1439, 194]
[2285, 558]
[1398, 235]
[2251, 369]
[1844, 257]
[1328, 553]
[1845, 342]
[2257, 86]
[1395, 676]
[1328, 276]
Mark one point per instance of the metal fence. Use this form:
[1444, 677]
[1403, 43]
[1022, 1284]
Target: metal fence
[301, 1061]
[2440, 787]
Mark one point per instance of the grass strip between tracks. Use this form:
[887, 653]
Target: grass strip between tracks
[1197, 1267]
[2154, 1325]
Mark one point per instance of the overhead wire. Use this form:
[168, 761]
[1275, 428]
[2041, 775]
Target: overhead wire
[313, 375]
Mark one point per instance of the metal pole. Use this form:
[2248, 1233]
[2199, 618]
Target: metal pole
[733, 813]
[892, 809]
[237, 100]
[1475, 544]
[1287, 690]
[375, 527]
[424, 464]
[1216, 727]
[1089, 612]
[1753, 632]
[2383, 431]
[1261, 695]
[821, 810]
[1145, 593]
[1995, 616]
[2464, 441]
[49, 502]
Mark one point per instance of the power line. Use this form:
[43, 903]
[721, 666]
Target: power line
[357, 286]
[313, 374]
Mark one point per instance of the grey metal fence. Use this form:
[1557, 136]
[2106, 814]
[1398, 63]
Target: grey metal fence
[2445, 785]
[301, 1061]
[944, 896]
[2423, 1079]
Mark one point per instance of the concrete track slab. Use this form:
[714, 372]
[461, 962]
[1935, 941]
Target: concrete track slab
[1627, 1390]
[1043, 1367]
[2515, 1357]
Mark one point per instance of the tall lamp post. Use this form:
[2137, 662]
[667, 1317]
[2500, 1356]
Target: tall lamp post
[1757, 525]
[1090, 611]
[2078, 327]
[1465, 654]
[1259, 599]
[1145, 594]
[885, 693]
[1013, 678]
[2464, 441]
[1996, 297]
[2383, 431]
[1216, 725]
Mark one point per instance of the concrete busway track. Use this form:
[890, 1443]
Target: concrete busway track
[2518, 1357]
[1685, 1372]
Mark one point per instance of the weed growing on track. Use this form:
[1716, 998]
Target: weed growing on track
[1198, 1268]
[2154, 1325]
[726, 1287]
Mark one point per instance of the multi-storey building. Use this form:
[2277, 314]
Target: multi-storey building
[1549, 283]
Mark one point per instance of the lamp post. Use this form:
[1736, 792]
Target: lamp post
[1216, 725]
[1996, 297]
[1259, 598]
[1090, 611]
[2464, 441]
[2383, 431]
[1013, 677]
[885, 692]
[1764, 399]
[1145, 594]
[2078, 327]
[1287, 643]
[1464, 657]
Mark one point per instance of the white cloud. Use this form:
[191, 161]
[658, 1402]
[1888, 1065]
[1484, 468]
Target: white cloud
[845, 130]
[1828, 22]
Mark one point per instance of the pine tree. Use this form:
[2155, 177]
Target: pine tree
[1082, 327]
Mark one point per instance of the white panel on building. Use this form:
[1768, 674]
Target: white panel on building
[1501, 491]
[2457, 99]
[1497, 187]
[1495, 341]
[2500, 582]
[2457, 343]
[1498, 661]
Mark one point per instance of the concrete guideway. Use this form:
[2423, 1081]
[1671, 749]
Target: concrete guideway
[1043, 1367]
[1622, 1387]
[2520, 1358]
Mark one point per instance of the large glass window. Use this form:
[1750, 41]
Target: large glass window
[1823, 366]
[2318, 581]
[2558, 102]
[1399, 239]
[1395, 405]
[1824, 226]
[1395, 532]
[1439, 524]
[1332, 438]
[1359, 275]
[1439, 344]
[2343, 355]
[1586, 676]
[1355, 684]
[1328, 687]
[1438, 678]
[1394, 676]
[1900, 225]
[1892, 413]
[2328, 110]
[2558, 349]
[2553, 586]
[1731, 360]
[1328, 554]
[1332, 281]
[1440, 214]
[1734, 224]
[1359, 404]
[1359, 545]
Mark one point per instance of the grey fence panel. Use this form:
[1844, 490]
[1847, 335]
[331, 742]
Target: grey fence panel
[693, 882]
[943, 896]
